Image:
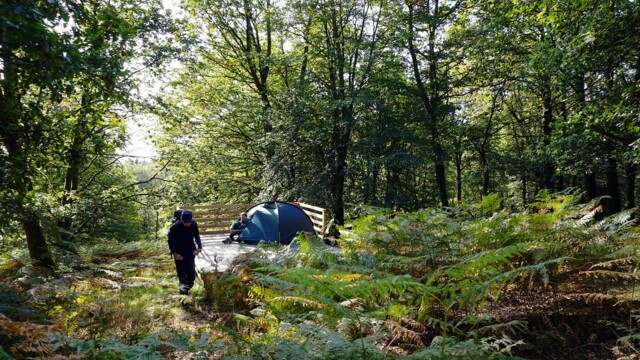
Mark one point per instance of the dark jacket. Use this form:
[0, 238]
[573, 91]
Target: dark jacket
[181, 239]
[238, 226]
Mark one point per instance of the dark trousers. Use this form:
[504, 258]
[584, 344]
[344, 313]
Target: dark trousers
[186, 269]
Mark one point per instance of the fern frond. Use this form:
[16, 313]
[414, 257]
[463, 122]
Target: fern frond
[452, 348]
[351, 304]
[513, 327]
[503, 345]
[296, 300]
[400, 333]
[597, 297]
[260, 293]
[244, 319]
[630, 341]
[629, 260]
[620, 221]
[349, 277]
[439, 324]
[627, 250]
[413, 324]
[484, 262]
[467, 292]
[28, 338]
[615, 275]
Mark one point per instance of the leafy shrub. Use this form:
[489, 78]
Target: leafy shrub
[491, 203]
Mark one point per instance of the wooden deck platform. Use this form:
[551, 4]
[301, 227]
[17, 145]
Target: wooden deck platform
[216, 256]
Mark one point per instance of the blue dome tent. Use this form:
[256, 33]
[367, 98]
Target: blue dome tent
[275, 221]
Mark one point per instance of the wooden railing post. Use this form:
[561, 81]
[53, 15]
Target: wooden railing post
[324, 223]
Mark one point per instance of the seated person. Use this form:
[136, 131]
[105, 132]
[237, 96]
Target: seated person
[237, 227]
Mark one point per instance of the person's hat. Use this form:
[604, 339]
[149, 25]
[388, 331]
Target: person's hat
[187, 216]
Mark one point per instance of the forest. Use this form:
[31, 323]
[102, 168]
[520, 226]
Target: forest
[478, 161]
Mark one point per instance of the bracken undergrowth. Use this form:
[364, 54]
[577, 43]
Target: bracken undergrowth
[431, 284]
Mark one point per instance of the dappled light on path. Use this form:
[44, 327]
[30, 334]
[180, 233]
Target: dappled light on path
[216, 256]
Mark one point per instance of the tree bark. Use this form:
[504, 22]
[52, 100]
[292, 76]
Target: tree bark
[338, 182]
[430, 101]
[549, 167]
[458, 163]
[524, 189]
[19, 179]
[373, 184]
[590, 185]
[442, 184]
[614, 204]
[38, 249]
[631, 173]
[485, 172]
[72, 178]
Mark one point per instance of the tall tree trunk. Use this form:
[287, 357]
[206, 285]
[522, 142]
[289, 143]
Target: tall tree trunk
[524, 189]
[631, 173]
[560, 183]
[458, 163]
[485, 182]
[614, 204]
[485, 172]
[257, 64]
[441, 177]
[38, 249]
[20, 182]
[339, 176]
[590, 185]
[341, 121]
[523, 172]
[549, 167]
[430, 101]
[392, 193]
[372, 186]
[338, 203]
[342, 150]
[434, 117]
[19, 179]
[72, 178]
[459, 183]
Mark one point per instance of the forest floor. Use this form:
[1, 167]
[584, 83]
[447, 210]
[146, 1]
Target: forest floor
[121, 300]
[562, 322]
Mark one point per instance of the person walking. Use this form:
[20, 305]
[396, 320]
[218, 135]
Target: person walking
[185, 245]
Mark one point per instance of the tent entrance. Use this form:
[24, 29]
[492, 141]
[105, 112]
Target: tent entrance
[263, 224]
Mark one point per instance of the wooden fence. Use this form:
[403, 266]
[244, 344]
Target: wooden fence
[318, 217]
[216, 219]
